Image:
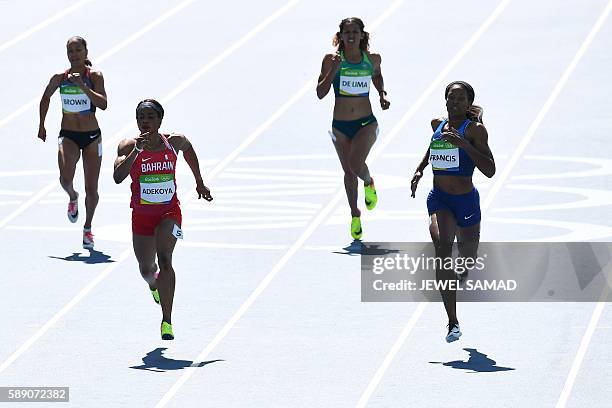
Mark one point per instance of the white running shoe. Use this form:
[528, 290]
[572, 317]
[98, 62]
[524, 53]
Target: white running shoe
[453, 332]
[88, 241]
[73, 210]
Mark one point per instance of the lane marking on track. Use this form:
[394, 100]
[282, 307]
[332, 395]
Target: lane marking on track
[500, 180]
[99, 278]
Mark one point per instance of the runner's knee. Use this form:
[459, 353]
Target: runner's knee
[355, 165]
[165, 261]
[349, 175]
[147, 272]
[91, 192]
[64, 181]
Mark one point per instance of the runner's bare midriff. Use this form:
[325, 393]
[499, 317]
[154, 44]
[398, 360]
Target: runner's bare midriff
[351, 108]
[79, 123]
[453, 184]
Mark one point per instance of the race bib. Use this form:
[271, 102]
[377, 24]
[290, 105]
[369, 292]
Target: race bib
[354, 85]
[74, 100]
[157, 188]
[443, 156]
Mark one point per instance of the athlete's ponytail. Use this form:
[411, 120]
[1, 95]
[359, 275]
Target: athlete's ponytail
[364, 44]
[82, 41]
[474, 113]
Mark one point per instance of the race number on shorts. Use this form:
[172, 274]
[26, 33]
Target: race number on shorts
[177, 232]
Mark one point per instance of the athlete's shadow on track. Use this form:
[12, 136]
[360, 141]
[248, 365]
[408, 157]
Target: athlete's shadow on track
[358, 248]
[95, 257]
[155, 361]
[354, 248]
[478, 363]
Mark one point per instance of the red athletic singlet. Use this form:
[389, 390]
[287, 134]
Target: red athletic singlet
[153, 180]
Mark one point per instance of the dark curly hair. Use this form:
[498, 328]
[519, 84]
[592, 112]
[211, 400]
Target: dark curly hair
[364, 44]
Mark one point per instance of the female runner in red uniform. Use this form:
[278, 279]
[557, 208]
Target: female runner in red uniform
[150, 160]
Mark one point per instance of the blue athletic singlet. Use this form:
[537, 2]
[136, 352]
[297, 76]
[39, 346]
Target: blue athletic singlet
[447, 159]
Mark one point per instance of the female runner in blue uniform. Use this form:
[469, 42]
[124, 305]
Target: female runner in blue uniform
[354, 128]
[81, 92]
[458, 145]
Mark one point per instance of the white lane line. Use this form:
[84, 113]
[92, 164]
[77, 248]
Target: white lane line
[245, 227]
[397, 346]
[34, 199]
[310, 172]
[582, 349]
[290, 158]
[496, 186]
[375, 381]
[281, 193]
[15, 193]
[274, 203]
[108, 170]
[602, 167]
[112, 51]
[23, 348]
[28, 203]
[442, 75]
[319, 157]
[62, 202]
[578, 231]
[248, 210]
[518, 152]
[21, 173]
[230, 50]
[43, 24]
[227, 245]
[574, 198]
[267, 186]
[234, 219]
[46, 189]
[242, 176]
[62, 195]
[321, 216]
[308, 87]
[251, 299]
[39, 228]
[597, 312]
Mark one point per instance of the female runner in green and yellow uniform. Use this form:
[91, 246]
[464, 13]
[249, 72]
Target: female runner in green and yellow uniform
[354, 128]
